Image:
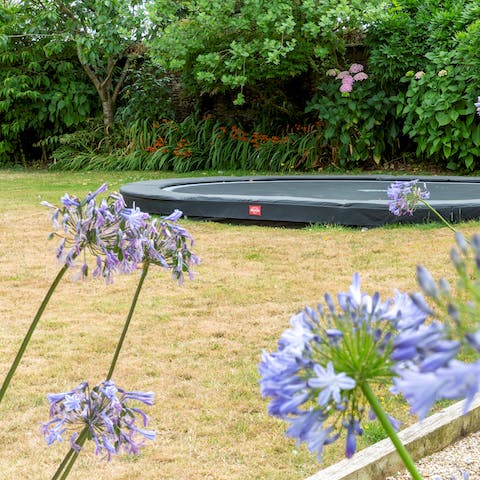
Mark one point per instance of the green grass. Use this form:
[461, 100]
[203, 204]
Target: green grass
[197, 346]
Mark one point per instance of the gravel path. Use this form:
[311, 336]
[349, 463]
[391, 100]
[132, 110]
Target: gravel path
[449, 463]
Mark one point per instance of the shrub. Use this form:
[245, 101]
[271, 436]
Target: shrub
[357, 128]
[439, 112]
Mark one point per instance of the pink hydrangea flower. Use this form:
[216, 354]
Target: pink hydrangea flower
[356, 68]
[343, 74]
[419, 75]
[346, 87]
[358, 77]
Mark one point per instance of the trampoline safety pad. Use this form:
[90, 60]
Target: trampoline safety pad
[307, 199]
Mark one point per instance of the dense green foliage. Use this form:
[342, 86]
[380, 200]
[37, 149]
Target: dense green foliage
[425, 55]
[43, 93]
[438, 111]
[226, 83]
[194, 145]
[227, 45]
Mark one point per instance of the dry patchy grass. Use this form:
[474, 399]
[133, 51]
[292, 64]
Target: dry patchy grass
[197, 346]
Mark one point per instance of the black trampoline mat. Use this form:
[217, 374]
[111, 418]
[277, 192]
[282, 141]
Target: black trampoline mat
[337, 190]
[345, 200]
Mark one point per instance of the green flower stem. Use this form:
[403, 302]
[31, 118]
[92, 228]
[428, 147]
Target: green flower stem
[127, 321]
[382, 417]
[64, 468]
[29, 334]
[448, 224]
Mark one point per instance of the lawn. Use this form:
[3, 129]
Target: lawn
[196, 346]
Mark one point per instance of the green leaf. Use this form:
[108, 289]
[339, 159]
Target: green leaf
[476, 135]
[435, 146]
[453, 115]
[443, 118]
[451, 165]
[469, 161]
[447, 151]
[345, 138]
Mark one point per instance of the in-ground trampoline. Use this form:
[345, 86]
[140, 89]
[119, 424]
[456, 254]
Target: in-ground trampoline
[343, 200]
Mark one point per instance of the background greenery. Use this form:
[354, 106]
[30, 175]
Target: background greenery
[199, 84]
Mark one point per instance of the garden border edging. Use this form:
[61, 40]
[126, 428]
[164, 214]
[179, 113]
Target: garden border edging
[421, 439]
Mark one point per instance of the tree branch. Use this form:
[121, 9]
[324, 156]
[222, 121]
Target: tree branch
[110, 68]
[70, 14]
[119, 84]
[95, 80]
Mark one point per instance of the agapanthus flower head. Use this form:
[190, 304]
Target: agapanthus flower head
[405, 196]
[477, 105]
[113, 423]
[102, 229]
[118, 237]
[169, 245]
[315, 377]
[426, 354]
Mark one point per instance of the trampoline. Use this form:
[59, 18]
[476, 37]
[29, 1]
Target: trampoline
[359, 200]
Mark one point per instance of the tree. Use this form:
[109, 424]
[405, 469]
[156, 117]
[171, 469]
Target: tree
[104, 34]
[227, 45]
[107, 34]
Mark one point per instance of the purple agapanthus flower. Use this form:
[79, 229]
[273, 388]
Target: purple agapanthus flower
[406, 313]
[421, 390]
[118, 237]
[426, 353]
[314, 378]
[96, 228]
[134, 218]
[405, 195]
[477, 105]
[105, 410]
[167, 244]
[353, 430]
[329, 383]
[454, 381]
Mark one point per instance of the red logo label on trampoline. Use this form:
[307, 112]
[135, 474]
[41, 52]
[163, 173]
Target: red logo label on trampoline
[255, 210]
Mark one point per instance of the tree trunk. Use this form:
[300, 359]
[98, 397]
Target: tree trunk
[108, 117]
[102, 80]
[104, 90]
